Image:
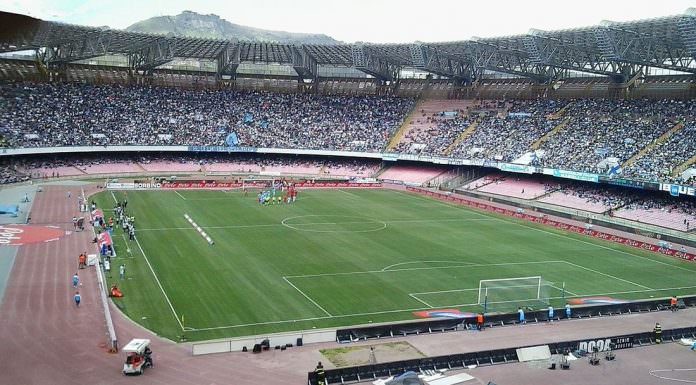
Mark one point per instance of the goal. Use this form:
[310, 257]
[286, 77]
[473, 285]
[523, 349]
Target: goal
[510, 293]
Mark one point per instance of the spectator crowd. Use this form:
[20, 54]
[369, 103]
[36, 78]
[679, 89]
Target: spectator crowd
[602, 134]
[591, 135]
[71, 114]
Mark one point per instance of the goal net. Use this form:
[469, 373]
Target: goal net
[503, 295]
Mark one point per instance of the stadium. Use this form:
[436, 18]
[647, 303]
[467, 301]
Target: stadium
[475, 211]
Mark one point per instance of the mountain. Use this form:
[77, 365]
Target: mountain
[192, 24]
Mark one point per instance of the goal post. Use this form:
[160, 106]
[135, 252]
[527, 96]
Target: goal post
[509, 293]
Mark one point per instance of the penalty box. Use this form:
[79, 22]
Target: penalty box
[423, 287]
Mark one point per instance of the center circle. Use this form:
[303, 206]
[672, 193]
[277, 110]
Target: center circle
[327, 223]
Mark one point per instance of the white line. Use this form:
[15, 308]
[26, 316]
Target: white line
[421, 268]
[114, 196]
[180, 196]
[350, 194]
[563, 290]
[306, 296]
[160, 285]
[417, 309]
[421, 301]
[325, 223]
[609, 275]
[446, 291]
[211, 227]
[410, 263]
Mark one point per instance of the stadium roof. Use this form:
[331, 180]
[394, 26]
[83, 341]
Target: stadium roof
[617, 50]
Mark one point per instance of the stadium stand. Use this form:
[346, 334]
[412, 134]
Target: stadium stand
[603, 134]
[587, 198]
[75, 165]
[71, 114]
[438, 123]
[662, 160]
[673, 214]
[636, 205]
[516, 187]
[652, 138]
[509, 134]
[411, 174]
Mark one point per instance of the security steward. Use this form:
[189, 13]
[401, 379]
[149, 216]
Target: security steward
[321, 376]
[658, 333]
[479, 321]
[673, 303]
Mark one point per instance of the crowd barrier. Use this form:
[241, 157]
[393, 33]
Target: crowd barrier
[667, 235]
[492, 357]
[112, 341]
[282, 339]
[493, 320]
[559, 225]
[204, 185]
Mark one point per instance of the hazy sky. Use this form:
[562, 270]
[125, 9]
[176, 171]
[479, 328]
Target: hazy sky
[363, 20]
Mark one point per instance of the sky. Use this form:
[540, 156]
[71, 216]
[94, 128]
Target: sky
[377, 21]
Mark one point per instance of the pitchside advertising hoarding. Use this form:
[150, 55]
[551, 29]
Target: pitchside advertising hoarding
[228, 185]
[606, 344]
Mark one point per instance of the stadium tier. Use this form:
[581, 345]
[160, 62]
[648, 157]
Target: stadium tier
[641, 139]
[634, 205]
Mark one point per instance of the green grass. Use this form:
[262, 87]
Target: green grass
[345, 257]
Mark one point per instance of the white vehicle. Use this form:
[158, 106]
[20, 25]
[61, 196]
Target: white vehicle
[138, 356]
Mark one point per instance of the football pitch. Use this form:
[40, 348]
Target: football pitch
[345, 257]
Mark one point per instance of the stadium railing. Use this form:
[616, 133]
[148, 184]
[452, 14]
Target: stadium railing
[493, 320]
[492, 357]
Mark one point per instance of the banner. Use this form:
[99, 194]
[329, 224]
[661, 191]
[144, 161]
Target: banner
[199, 185]
[519, 168]
[133, 186]
[630, 183]
[559, 225]
[676, 190]
[221, 149]
[606, 344]
[337, 185]
[575, 175]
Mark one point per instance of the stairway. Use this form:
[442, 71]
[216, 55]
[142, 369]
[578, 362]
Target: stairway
[559, 127]
[663, 138]
[559, 114]
[405, 127]
[682, 167]
[140, 166]
[462, 137]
